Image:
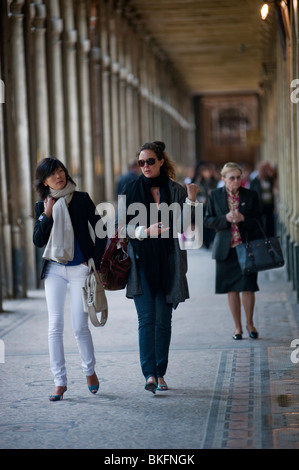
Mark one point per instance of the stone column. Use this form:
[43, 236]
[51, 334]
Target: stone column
[22, 222]
[56, 101]
[123, 119]
[114, 49]
[84, 100]
[96, 103]
[70, 92]
[40, 81]
[3, 190]
[5, 159]
[106, 108]
[143, 93]
[129, 58]
[294, 116]
[122, 89]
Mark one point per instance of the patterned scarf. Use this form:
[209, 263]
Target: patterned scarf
[233, 204]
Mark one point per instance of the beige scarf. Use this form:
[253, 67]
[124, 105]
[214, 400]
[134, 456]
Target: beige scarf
[60, 246]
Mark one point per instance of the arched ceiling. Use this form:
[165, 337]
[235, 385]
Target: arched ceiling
[217, 46]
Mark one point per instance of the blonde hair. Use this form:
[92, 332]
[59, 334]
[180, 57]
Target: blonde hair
[230, 166]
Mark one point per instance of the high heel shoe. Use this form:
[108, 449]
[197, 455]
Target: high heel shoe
[151, 386]
[162, 387]
[93, 388]
[58, 397]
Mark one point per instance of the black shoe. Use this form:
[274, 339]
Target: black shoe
[237, 336]
[253, 334]
[151, 387]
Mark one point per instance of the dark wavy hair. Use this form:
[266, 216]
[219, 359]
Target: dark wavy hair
[159, 149]
[44, 169]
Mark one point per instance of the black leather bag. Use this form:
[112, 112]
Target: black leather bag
[260, 255]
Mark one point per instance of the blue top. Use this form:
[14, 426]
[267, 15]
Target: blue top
[78, 257]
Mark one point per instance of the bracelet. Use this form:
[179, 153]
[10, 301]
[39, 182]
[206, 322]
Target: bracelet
[42, 216]
[140, 233]
[191, 203]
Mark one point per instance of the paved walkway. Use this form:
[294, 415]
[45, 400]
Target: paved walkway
[224, 394]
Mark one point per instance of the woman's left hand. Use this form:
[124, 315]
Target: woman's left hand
[235, 216]
[192, 190]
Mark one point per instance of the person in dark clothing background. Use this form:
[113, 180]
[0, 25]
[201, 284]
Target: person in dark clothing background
[263, 184]
[232, 211]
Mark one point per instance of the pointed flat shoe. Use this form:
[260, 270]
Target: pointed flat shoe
[237, 336]
[253, 334]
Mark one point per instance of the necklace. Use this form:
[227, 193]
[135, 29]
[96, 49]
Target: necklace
[156, 191]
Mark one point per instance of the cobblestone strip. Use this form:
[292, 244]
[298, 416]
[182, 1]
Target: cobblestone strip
[235, 417]
[284, 377]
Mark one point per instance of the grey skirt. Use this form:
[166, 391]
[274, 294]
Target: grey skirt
[229, 277]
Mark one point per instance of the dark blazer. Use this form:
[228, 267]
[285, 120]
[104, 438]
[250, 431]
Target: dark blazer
[82, 210]
[216, 211]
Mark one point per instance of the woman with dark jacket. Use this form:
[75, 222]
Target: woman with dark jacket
[62, 227]
[157, 280]
[232, 212]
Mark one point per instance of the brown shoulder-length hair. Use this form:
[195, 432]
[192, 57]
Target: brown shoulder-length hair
[158, 148]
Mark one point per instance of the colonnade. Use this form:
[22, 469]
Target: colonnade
[86, 83]
[83, 81]
[280, 130]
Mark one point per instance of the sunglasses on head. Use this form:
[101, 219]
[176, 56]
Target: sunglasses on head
[150, 161]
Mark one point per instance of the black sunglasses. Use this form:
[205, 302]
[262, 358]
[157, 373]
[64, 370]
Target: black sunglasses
[150, 161]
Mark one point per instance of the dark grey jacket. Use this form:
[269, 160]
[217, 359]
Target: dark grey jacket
[178, 262]
[216, 211]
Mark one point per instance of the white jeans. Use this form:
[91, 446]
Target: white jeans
[57, 279]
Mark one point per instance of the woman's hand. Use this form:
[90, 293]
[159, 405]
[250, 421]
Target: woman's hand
[234, 217]
[48, 205]
[155, 229]
[192, 190]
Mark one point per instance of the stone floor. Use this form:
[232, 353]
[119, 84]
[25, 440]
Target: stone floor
[223, 394]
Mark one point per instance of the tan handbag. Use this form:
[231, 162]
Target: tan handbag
[94, 297]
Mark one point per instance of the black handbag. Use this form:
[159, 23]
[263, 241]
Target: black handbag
[260, 255]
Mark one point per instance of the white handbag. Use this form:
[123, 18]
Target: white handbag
[94, 297]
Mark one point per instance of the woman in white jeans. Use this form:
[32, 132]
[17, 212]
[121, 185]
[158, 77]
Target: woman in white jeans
[62, 226]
